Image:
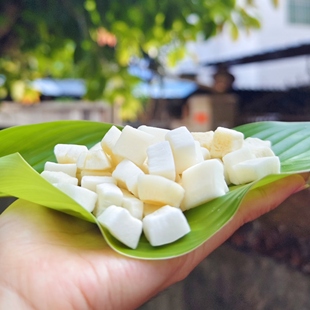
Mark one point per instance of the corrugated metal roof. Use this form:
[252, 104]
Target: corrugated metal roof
[166, 88]
[60, 87]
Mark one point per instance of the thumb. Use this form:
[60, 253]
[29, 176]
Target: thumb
[266, 198]
[256, 203]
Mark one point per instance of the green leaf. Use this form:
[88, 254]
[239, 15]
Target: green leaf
[18, 179]
[35, 143]
[290, 141]
[234, 31]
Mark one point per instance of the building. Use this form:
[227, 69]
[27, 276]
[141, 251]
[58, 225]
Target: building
[271, 67]
[282, 27]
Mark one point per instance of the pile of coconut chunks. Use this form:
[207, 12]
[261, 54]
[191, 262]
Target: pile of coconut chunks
[140, 180]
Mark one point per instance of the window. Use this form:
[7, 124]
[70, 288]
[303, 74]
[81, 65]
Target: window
[299, 11]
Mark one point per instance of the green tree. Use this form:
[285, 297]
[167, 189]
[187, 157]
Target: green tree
[95, 40]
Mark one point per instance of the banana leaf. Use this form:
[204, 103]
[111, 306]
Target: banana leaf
[25, 149]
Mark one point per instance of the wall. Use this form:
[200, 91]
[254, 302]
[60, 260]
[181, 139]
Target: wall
[275, 33]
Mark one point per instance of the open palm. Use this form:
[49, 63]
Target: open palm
[50, 260]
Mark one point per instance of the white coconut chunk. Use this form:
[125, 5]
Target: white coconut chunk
[236, 157]
[108, 194]
[132, 144]
[203, 182]
[133, 205]
[102, 173]
[263, 151]
[68, 153]
[108, 142]
[160, 160]
[224, 141]
[149, 208]
[85, 172]
[58, 177]
[199, 154]
[94, 160]
[69, 169]
[205, 153]
[156, 189]
[158, 133]
[258, 147]
[90, 181]
[126, 173]
[227, 180]
[257, 142]
[204, 138]
[122, 225]
[86, 198]
[183, 147]
[255, 169]
[165, 225]
[109, 139]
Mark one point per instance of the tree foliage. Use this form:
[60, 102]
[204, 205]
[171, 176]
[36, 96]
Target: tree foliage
[96, 40]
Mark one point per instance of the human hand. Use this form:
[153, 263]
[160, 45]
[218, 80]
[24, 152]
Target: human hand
[50, 260]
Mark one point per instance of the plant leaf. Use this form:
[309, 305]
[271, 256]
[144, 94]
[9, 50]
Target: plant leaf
[290, 141]
[18, 179]
[35, 143]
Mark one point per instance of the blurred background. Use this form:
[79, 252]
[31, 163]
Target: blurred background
[199, 63]
[161, 64]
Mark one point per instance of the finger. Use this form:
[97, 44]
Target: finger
[258, 202]
[264, 199]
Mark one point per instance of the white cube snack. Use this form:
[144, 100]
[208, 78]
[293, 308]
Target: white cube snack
[204, 138]
[199, 153]
[134, 205]
[203, 182]
[108, 194]
[108, 142]
[110, 138]
[91, 181]
[258, 147]
[224, 141]
[165, 225]
[160, 160]
[93, 160]
[69, 169]
[149, 208]
[122, 225]
[87, 172]
[68, 153]
[236, 157]
[58, 177]
[84, 197]
[132, 144]
[255, 169]
[156, 189]
[205, 153]
[158, 133]
[183, 147]
[257, 142]
[126, 174]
